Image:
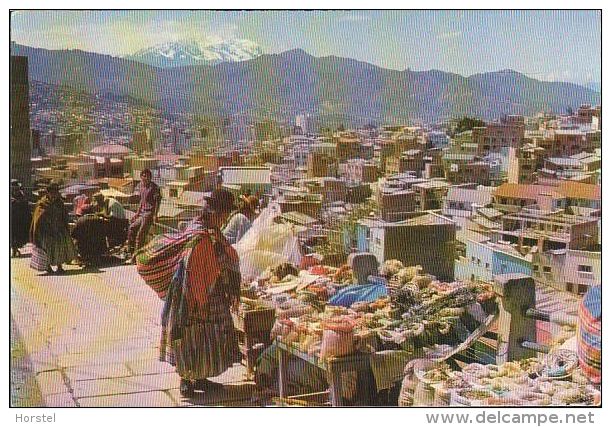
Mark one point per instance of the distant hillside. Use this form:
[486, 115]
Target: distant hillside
[281, 85]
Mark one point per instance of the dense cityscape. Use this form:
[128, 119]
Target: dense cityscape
[438, 260]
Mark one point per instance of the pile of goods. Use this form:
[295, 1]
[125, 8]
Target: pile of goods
[427, 312]
[267, 243]
[589, 336]
[554, 380]
[420, 313]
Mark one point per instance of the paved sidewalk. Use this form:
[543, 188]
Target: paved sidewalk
[92, 340]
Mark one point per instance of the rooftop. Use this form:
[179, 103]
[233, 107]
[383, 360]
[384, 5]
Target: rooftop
[580, 190]
[427, 218]
[480, 196]
[526, 191]
[233, 175]
[106, 150]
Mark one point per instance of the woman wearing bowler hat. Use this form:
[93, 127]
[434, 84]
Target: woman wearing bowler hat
[198, 335]
[49, 230]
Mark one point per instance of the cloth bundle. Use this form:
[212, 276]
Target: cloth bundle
[158, 260]
[356, 293]
[39, 260]
[589, 334]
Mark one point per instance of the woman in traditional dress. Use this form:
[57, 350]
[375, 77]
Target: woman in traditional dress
[21, 218]
[49, 231]
[198, 335]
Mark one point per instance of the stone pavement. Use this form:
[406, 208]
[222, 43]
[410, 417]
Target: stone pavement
[92, 340]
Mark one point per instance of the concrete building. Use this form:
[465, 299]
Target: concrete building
[430, 194]
[562, 195]
[567, 142]
[484, 260]
[582, 167]
[437, 139]
[548, 230]
[303, 124]
[331, 189]
[410, 160]
[461, 203]
[359, 170]
[508, 132]
[348, 145]
[477, 172]
[426, 239]
[568, 270]
[20, 145]
[320, 165]
[396, 205]
[240, 179]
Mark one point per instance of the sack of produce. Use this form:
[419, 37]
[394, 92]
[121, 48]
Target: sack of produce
[408, 386]
[281, 328]
[337, 337]
[471, 397]
[589, 338]
[267, 244]
[422, 280]
[390, 268]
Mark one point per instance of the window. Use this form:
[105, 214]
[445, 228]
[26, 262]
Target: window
[584, 268]
[569, 287]
[173, 192]
[472, 259]
[582, 289]
[487, 265]
[535, 267]
[547, 269]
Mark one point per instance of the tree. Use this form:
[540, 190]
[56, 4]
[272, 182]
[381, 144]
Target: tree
[468, 123]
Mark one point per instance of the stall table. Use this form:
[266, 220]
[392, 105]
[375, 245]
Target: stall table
[253, 328]
[333, 367]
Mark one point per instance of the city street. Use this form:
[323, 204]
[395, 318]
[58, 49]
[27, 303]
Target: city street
[91, 339]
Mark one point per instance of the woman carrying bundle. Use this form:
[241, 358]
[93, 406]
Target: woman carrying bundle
[198, 335]
[49, 231]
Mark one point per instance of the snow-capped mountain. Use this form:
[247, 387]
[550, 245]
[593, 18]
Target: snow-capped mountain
[178, 54]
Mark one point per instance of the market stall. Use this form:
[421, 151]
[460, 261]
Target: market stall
[341, 327]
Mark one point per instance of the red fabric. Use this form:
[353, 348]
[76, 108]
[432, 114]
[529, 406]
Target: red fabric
[203, 270]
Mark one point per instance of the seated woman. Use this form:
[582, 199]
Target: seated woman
[241, 221]
[116, 224]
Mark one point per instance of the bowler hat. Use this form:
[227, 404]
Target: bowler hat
[53, 187]
[221, 200]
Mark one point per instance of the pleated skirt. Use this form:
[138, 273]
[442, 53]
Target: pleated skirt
[206, 348]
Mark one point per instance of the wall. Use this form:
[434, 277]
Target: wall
[504, 263]
[480, 257]
[574, 259]
[431, 246]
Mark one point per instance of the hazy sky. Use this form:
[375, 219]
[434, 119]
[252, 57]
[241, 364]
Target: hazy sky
[547, 45]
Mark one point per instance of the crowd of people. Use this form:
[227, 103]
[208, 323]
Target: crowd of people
[198, 335]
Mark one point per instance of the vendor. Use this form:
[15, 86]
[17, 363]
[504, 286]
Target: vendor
[114, 212]
[241, 221]
[198, 334]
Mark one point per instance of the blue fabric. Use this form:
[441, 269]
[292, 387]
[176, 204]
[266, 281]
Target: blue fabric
[593, 302]
[355, 293]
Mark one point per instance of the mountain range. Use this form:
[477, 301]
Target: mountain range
[278, 86]
[182, 53]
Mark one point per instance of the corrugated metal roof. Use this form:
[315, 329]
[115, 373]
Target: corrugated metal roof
[479, 196]
[239, 175]
[298, 218]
